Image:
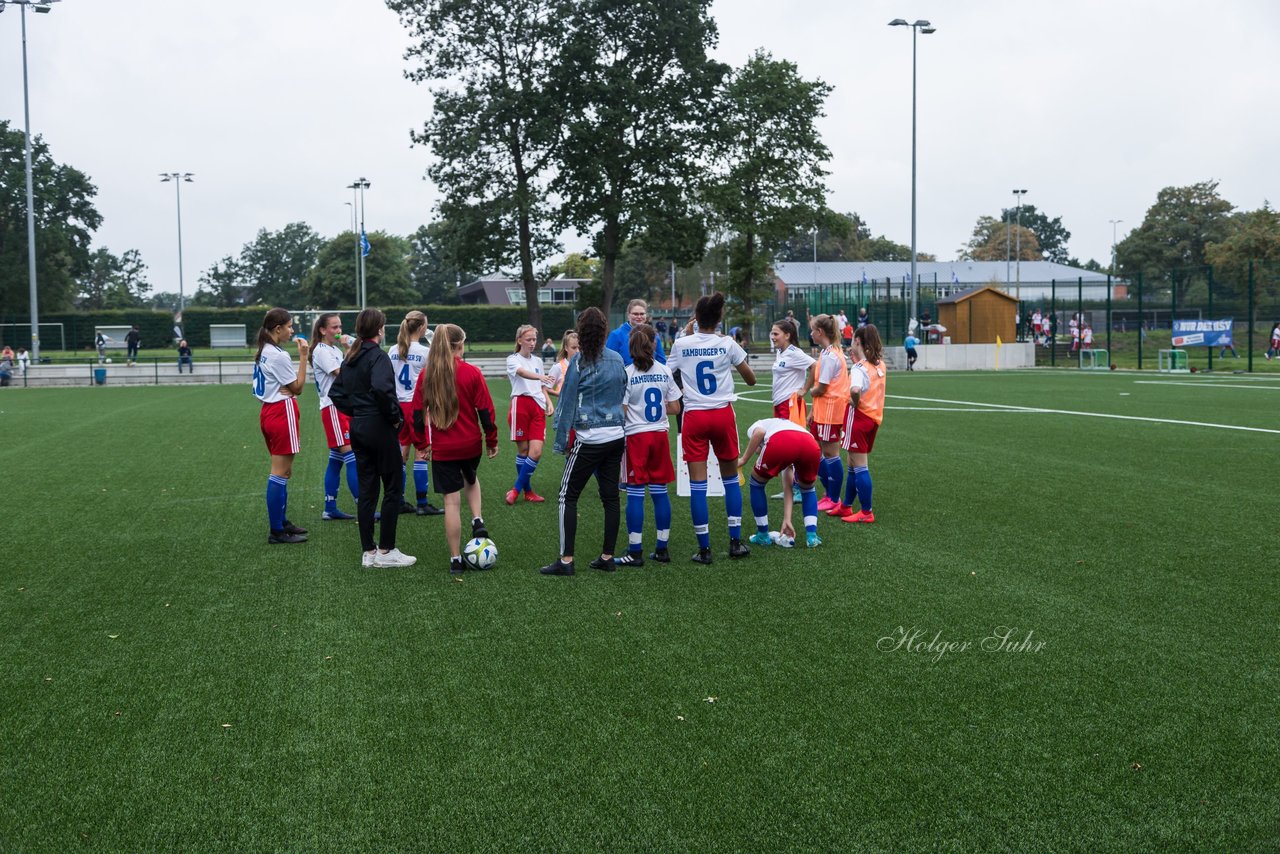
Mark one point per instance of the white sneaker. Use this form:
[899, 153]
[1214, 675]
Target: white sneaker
[366, 558]
[395, 557]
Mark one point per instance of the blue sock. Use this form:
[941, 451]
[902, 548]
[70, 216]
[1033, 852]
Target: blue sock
[863, 478]
[277, 498]
[661, 513]
[835, 477]
[809, 508]
[353, 477]
[701, 515]
[849, 486]
[635, 519]
[518, 486]
[530, 466]
[733, 506]
[421, 480]
[332, 481]
[759, 506]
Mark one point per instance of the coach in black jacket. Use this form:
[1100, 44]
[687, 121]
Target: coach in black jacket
[365, 390]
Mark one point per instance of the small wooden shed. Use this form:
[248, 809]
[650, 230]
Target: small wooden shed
[978, 315]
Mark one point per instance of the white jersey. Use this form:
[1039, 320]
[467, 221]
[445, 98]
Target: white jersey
[771, 427]
[830, 365]
[523, 386]
[789, 372]
[326, 359]
[705, 362]
[274, 370]
[648, 393]
[407, 369]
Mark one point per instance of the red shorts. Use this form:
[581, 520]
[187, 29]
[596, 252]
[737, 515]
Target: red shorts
[649, 458]
[782, 410]
[828, 432]
[279, 422]
[859, 432]
[337, 427]
[528, 420]
[409, 436]
[789, 448]
[717, 427]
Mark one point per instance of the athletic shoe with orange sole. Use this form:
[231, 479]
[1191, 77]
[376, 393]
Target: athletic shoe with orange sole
[533, 497]
[861, 516]
[841, 511]
[512, 495]
[825, 504]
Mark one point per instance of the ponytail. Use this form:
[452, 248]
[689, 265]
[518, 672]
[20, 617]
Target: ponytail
[439, 385]
[275, 318]
[369, 323]
[410, 330]
[321, 322]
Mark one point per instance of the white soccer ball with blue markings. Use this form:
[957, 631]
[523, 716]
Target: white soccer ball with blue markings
[480, 553]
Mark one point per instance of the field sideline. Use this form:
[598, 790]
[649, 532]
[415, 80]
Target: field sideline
[1059, 635]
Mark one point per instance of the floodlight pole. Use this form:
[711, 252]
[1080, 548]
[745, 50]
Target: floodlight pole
[352, 204]
[178, 178]
[1018, 257]
[1114, 223]
[926, 28]
[360, 185]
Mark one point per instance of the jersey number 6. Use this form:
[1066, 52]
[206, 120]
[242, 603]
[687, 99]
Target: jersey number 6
[706, 378]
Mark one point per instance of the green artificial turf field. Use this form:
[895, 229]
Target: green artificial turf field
[173, 683]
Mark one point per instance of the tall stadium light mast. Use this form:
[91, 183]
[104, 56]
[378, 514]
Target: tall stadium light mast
[925, 27]
[40, 7]
[1018, 256]
[1114, 223]
[359, 186]
[352, 204]
[178, 179]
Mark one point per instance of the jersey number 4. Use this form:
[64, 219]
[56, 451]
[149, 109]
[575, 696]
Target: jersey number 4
[404, 379]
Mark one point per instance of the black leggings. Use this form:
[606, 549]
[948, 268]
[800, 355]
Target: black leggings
[377, 447]
[585, 460]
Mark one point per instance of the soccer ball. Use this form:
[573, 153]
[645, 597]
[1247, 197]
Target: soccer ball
[480, 553]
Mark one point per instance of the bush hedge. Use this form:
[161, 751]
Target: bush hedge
[482, 323]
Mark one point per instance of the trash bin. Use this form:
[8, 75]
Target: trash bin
[100, 376]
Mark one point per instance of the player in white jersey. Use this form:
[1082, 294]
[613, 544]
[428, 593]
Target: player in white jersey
[704, 361]
[528, 415]
[784, 446]
[408, 358]
[652, 395]
[326, 360]
[277, 384]
[791, 371]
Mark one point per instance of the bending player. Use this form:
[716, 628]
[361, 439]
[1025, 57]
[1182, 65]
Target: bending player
[783, 444]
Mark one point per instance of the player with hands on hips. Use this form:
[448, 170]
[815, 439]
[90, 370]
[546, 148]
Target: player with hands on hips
[277, 384]
[830, 387]
[528, 416]
[866, 393]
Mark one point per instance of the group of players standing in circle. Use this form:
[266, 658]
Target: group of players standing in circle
[423, 408]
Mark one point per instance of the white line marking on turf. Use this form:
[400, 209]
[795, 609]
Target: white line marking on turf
[1012, 408]
[962, 409]
[1209, 384]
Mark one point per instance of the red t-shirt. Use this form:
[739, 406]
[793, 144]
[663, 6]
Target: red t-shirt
[475, 408]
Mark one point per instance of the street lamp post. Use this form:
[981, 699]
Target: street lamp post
[178, 179]
[351, 204]
[1114, 223]
[359, 186]
[923, 27]
[1018, 255]
[41, 7]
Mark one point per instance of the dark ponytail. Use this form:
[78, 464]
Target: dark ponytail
[708, 312]
[369, 323]
[592, 330]
[642, 343]
[275, 318]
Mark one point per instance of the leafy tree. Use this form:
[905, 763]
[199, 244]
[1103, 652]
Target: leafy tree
[1051, 235]
[1176, 231]
[639, 85]
[434, 265]
[65, 220]
[1255, 236]
[331, 282]
[996, 240]
[576, 266]
[114, 282]
[496, 122]
[769, 157]
[221, 285]
[845, 237]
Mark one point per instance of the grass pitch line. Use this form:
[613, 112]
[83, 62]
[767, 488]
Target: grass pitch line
[1012, 408]
[1210, 384]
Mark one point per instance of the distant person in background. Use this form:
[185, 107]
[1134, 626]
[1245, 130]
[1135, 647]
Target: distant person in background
[23, 358]
[1227, 344]
[911, 342]
[620, 338]
[548, 352]
[6, 366]
[1086, 337]
[846, 334]
[100, 341]
[863, 320]
[184, 356]
[841, 323]
[1274, 349]
[132, 342]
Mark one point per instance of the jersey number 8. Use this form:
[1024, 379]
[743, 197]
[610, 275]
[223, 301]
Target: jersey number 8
[653, 405]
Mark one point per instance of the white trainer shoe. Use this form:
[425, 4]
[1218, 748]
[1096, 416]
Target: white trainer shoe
[366, 558]
[395, 557]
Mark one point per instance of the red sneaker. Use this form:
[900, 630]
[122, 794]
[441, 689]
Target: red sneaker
[533, 497]
[861, 516]
[825, 504]
[512, 495]
[841, 511]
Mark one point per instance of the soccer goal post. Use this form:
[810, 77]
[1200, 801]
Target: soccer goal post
[1172, 361]
[17, 335]
[1095, 360]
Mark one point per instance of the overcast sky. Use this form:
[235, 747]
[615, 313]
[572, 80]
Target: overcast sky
[1091, 106]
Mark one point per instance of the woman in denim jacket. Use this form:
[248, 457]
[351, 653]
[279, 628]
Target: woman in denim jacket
[590, 406]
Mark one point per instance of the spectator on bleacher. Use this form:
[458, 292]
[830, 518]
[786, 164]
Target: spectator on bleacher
[23, 358]
[184, 356]
[6, 366]
[863, 320]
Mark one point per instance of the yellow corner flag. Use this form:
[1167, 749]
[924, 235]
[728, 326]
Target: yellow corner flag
[999, 344]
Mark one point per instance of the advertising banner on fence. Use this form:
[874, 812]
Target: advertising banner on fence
[1202, 333]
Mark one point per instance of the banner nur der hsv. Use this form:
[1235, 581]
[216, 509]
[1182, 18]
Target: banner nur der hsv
[1202, 333]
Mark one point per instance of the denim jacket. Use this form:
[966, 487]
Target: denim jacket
[591, 397]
